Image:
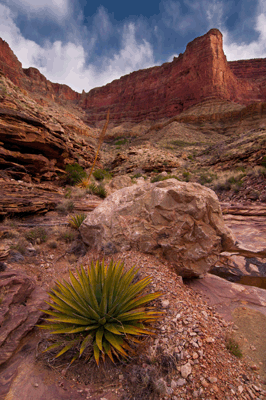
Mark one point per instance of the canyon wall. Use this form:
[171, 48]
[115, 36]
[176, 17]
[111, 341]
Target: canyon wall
[201, 73]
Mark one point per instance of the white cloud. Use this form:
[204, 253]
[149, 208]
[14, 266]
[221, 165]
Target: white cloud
[102, 22]
[53, 9]
[66, 62]
[203, 14]
[254, 49]
[132, 56]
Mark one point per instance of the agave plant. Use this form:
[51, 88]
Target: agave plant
[103, 307]
[77, 220]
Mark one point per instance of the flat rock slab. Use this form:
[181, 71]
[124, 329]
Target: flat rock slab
[22, 378]
[227, 296]
[249, 231]
[246, 307]
[246, 208]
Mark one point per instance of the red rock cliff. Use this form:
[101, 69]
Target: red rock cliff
[31, 79]
[201, 73]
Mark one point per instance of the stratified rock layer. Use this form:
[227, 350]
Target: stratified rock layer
[175, 220]
[21, 301]
[201, 73]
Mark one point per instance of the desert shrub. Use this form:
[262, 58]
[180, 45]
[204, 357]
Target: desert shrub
[160, 178]
[101, 191]
[52, 244]
[137, 175]
[263, 162]
[77, 220]
[157, 178]
[65, 207]
[186, 176]
[36, 233]
[79, 193]
[233, 347]
[101, 174]
[74, 174]
[98, 190]
[120, 141]
[68, 193]
[229, 181]
[101, 310]
[20, 246]
[206, 178]
[67, 235]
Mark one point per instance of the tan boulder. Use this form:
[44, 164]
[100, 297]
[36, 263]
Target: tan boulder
[179, 221]
[119, 182]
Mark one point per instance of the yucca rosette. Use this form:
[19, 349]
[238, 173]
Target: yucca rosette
[103, 308]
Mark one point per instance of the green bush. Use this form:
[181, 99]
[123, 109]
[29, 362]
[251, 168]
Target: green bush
[77, 220]
[101, 174]
[67, 236]
[137, 175]
[102, 310]
[263, 162]
[160, 178]
[233, 347]
[65, 207]
[206, 178]
[186, 176]
[74, 174]
[98, 190]
[120, 141]
[36, 233]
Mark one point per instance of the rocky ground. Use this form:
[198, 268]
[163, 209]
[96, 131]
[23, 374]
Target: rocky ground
[218, 143]
[188, 358]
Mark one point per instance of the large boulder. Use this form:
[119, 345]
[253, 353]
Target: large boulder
[176, 220]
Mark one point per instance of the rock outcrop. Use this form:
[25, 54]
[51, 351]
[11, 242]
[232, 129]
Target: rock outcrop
[31, 146]
[19, 198]
[201, 73]
[31, 79]
[179, 221]
[21, 301]
[38, 142]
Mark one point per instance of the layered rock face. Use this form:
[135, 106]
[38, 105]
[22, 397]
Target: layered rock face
[20, 310]
[33, 148]
[31, 79]
[179, 221]
[201, 73]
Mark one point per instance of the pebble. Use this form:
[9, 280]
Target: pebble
[181, 382]
[173, 384]
[204, 382]
[165, 303]
[186, 370]
[240, 389]
[213, 379]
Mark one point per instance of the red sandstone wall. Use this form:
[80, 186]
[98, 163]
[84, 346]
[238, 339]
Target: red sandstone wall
[202, 72]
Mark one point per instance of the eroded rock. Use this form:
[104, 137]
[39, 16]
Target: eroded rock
[179, 221]
[21, 301]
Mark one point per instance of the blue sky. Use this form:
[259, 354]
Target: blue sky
[86, 44]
